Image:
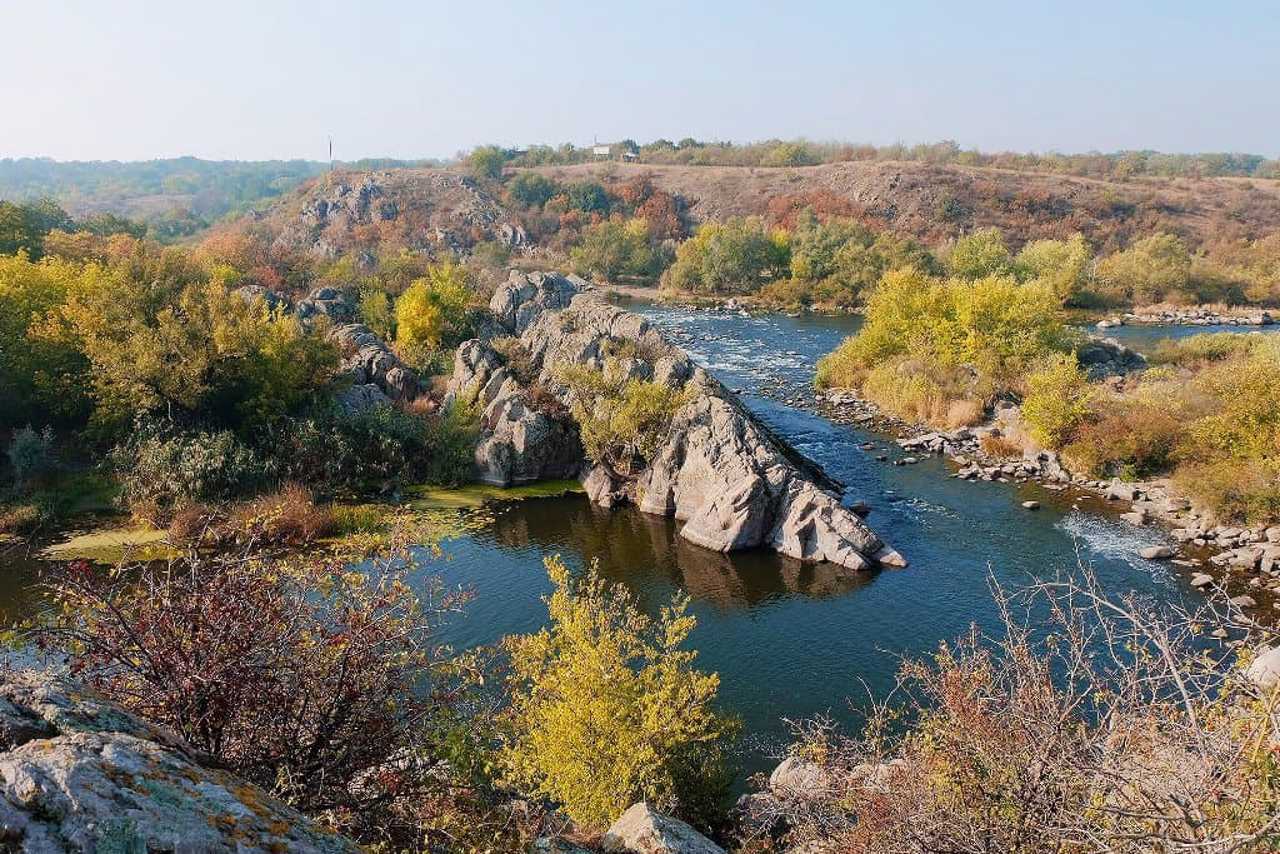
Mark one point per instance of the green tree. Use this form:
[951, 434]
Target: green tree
[531, 190]
[589, 197]
[1064, 265]
[615, 248]
[734, 256]
[982, 253]
[487, 161]
[1057, 400]
[1153, 269]
[608, 708]
[377, 312]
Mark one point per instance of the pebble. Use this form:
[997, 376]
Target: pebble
[1031, 505]
[1201, 579]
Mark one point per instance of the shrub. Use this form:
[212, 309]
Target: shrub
[376, 450]
[999, 447]
[163, 467]
[1238, 491]
[734, 256]
[1057, 401]
[623, 422]
[1131, 439]
[1092, 725]
[608, 709]
[980, 254]
[432, 313]
[300, 675]
[1197, 351]
[289, 516]
[1154, 269]
[31, 455]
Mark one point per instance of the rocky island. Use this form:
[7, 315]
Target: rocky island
[717, 469]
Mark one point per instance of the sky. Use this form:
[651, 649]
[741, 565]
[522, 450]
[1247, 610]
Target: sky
[132, 80]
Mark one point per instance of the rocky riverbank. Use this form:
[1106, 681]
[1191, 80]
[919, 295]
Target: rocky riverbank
[718, 469]
[1194, 316]
[78, 774]
[1245, 562]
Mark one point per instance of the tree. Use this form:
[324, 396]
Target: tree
[734, 256]
[623, 421]
[1057, 400]
[608, 709]
[982, 253]
[589, 197]
[1153, 269]
[615, 248]
[531, 190]
[487, 161]
[1063, 265]
[432, 313]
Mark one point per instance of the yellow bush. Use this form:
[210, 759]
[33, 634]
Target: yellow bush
[608, 709]
[1057, 401]
[432, 312]
[927, 342]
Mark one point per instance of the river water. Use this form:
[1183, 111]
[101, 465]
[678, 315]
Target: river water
[790, 641]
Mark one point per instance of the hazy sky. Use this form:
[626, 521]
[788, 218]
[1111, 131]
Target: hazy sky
[124, 79]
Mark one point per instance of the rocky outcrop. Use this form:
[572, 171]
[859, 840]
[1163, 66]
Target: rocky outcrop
[78, 774]
[325, 302]
[369, 361]
[641, 830]
[1107, 357]
[720, 471]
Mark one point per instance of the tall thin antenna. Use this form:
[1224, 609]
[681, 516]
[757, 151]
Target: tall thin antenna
[330, 154]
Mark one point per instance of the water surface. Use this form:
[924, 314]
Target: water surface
[790, 640]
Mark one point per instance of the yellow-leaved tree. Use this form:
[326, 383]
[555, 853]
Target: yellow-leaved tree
[432, 313]
[608, 708]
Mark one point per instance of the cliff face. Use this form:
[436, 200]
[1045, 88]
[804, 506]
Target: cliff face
[78, 774]
[718, 469]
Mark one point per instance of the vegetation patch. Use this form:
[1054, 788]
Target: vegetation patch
[113, 546]
[477, 494]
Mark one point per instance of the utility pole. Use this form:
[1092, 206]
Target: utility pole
[330, 154]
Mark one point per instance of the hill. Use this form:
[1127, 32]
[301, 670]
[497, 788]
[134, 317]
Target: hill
[176, 196]
[936, 202]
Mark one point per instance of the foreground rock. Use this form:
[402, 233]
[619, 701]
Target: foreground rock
[720, 471]
[640, 830]
[78, 774]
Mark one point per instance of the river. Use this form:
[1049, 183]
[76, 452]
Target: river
[788, 640]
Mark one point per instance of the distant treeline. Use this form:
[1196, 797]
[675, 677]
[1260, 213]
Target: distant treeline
[175, 197]
[777, 152]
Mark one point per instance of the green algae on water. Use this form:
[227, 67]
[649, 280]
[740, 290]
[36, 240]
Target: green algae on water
[476, 494]
[114, 545]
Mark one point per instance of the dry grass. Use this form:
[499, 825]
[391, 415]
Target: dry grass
[1000, 447]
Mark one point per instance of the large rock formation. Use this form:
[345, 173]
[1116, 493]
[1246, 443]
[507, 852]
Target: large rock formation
[720, 471]
[78, 774]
